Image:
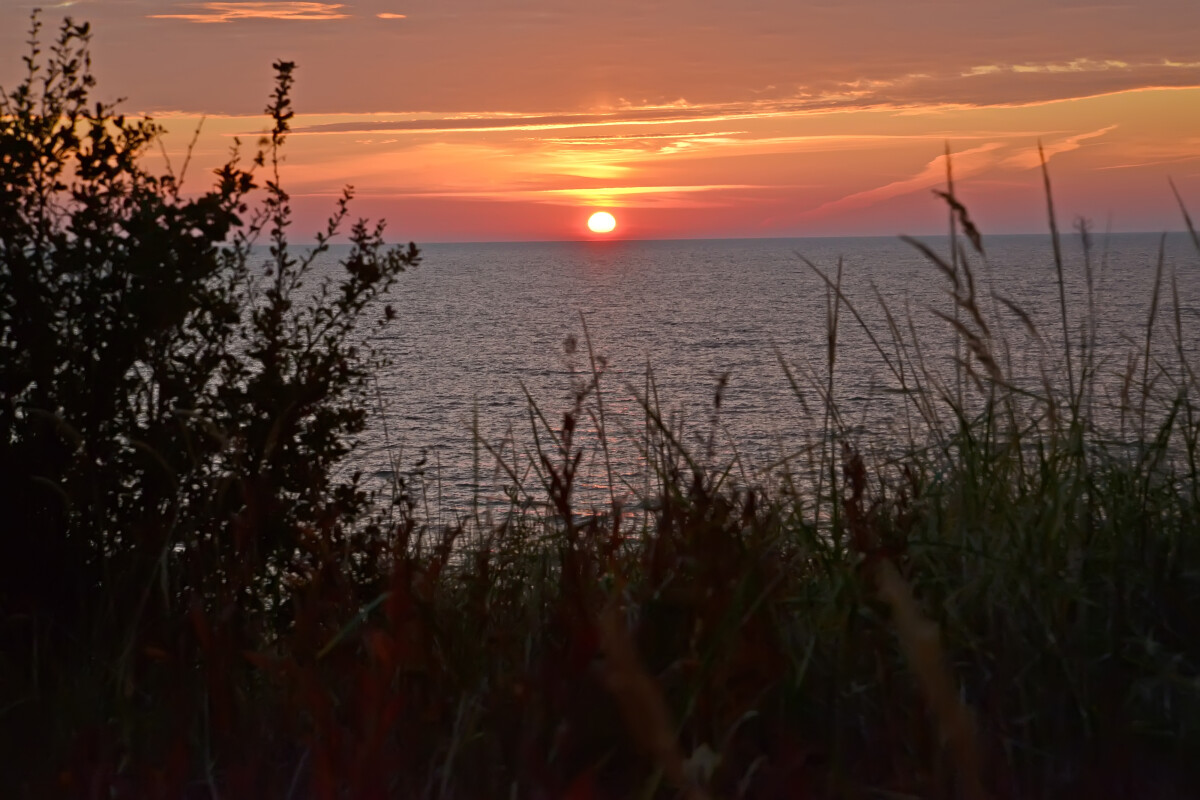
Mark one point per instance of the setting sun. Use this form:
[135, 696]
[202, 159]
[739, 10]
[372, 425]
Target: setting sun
[601, 222]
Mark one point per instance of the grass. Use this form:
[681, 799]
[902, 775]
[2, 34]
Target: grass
[1001, 604]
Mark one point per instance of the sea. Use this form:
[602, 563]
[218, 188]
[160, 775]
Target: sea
[493, 343]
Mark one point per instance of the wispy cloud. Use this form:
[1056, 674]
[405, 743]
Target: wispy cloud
[1144, 164]
[230, 12]
[1078, 65]
[635, 137]
[618, 196]
[685, 196]
[501, 121]
[391, 15]
[1030, 159]
[1075, 65]
[966, 163]
[1007, 86]
[675, 113]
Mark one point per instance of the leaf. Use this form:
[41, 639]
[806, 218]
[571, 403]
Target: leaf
[964, 219]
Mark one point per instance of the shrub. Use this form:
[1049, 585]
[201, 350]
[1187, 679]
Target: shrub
[171, 411]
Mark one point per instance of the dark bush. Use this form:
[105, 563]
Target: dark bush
[173, 398]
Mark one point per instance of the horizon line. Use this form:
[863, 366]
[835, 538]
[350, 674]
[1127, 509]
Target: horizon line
[1072, 234]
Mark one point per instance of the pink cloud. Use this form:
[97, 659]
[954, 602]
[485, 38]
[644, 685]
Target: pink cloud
[1030, 159]
[966, 163]
[229, 12]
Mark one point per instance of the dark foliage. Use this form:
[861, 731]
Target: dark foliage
[171, 410]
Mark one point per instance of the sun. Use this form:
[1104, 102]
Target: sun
[601, 222]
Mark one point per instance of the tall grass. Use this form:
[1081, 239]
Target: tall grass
[999, 604]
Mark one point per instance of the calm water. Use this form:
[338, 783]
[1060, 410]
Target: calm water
[478, 321]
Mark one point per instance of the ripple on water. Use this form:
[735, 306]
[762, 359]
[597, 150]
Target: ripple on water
[476, 321]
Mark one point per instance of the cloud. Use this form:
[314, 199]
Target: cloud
[491, 123]
[1075, 65]
[685, 196]
[1030, 159]
[390, 15]
[986, 86]
[494, 122]
[1156, 163]
[624, 138]
[966, 163]
[229, 12]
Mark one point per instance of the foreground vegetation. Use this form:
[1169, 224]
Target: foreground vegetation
[1001, 605]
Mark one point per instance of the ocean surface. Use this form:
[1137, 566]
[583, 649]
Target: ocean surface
[482, 329]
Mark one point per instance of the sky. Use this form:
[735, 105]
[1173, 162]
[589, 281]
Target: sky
[489, 120]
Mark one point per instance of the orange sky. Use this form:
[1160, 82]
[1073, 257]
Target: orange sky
[490, 120]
